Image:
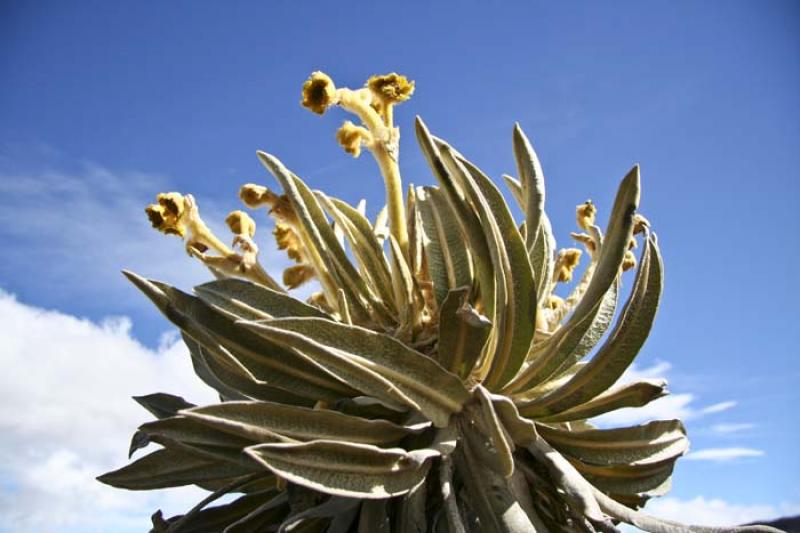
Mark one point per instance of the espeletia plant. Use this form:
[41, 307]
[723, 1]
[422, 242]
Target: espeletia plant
[436, 381]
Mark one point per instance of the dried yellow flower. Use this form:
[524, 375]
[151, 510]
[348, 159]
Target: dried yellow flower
[241, 223]
[351, 137]
[287, 240]
[567, 260]
[156, 215]
[283, 210]
[255, 196]
[172, 202]
[317, 299]
[167, 215]
[295, 276]
[319, 92]
[639, 224]
[554, 302]
[629, 261]
[585, 214]
[391, 88]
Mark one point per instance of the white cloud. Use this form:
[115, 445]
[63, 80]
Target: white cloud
[716, 512]
[74, 231]
[66, 416]
[679, 405]
[731, 427]
[723, 454]
[718, 407]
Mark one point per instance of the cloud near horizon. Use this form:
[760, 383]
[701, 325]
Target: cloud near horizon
[66, 416]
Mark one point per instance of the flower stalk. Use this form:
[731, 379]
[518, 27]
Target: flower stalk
[373, 105]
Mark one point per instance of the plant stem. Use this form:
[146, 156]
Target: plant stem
[385, 149]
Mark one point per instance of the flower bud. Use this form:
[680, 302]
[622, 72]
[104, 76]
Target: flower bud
[319, 92]
[391, 88]
[585, 214]
[566, 262]
[241, 223]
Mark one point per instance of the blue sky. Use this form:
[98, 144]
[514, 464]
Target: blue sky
[104, 104]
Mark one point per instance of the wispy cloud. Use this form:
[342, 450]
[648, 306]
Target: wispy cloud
[731, 428]
[681, 405]
[66, 416]
[73, 231]
[717, 512]
[718, 407]
[723, 454]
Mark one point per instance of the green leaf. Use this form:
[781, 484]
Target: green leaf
[215, 519]
[489, 442]
[266, 361]
[623, 344]
[260, 421]
[636, 445]
[532, 181]
[374, 517]
[410, 515]
[515, 186]
[511, 267]
[437, 392]
[448, 259]
[365, 245]
[346, 469]
[266, 517]
[170, 468]
[224, 373]
[449, 518]
[250, 301]
[547, 358]
[542, 258]
[489, 494]
[351, 370]
[652, 479]
[163, 405]
[462, 333]
[469, 223]
[343, 511]
[576, 489]
[324, 240]
[521, 430]
[404, 288]
[602, 320]
[636, 394]
[192, 432]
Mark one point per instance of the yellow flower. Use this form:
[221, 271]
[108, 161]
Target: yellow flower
[585, 214]
[391, 88]
[554, 302]
[629, 261]
[241, 223]
[351, 137]
[283, 210]
[287, 240]
[172, 202]
[319, 92]
[566, 262]
[639, 224]
[296, 275]
[167, 215]
[255, 196]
